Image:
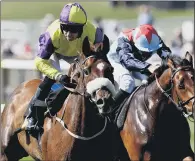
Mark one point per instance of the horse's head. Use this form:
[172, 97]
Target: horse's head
[182, 81]
[97, 75]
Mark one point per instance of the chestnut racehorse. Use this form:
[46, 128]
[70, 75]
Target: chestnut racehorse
[143, 132]
[78, 132]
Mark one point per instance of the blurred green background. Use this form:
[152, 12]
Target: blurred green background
[37, 10]
[23, 10]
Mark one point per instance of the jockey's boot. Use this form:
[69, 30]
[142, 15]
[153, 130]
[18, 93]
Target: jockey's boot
[119, 97]
[55, 100]
[37, 107]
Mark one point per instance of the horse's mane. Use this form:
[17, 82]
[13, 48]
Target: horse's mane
[177, 61]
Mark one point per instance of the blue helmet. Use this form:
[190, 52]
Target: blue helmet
[146, 38]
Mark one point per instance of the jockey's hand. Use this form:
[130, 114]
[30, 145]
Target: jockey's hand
[164, 62]
[144, 81]
[64, 79]
[165, 54]
[98, 47]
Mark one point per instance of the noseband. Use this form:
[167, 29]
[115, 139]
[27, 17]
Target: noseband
[181, 104]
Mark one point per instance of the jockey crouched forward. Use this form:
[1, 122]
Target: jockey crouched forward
[128, 55]
[63, 39]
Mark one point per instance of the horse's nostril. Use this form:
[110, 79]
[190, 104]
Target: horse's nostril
[100, 102]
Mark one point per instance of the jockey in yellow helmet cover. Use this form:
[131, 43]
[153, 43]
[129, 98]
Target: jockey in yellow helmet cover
[63, 39]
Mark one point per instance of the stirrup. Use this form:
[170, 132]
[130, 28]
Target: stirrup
[25, 124]
[34, 128]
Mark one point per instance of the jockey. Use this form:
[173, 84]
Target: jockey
[128, 55]
[62, 40]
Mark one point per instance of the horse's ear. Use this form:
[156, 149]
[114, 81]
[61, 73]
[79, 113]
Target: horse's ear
[106, 45]
[189, 58]
[86, 47]
[170, 63]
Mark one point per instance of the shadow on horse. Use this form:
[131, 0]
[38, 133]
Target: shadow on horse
[78, 132]
[154, 127]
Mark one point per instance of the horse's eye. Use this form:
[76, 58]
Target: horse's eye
[86, 71]
[181, 84]
[93, 94]
[192, 77]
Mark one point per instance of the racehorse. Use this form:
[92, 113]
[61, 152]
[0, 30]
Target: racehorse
[78, 132]
[144, 111]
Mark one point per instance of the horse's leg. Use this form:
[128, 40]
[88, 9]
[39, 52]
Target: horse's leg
[188, 159]
[10, 147]
[146, 156]
[188, 155]
[133, 149]
[3, 157]
[13, 151]
[44, 139]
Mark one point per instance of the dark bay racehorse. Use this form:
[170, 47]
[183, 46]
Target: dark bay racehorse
[142, 133]
[79, 132]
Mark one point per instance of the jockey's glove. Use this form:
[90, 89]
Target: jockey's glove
[164, 62]
[144, 81]
[66, 81]
[63, 79]
[165, 54]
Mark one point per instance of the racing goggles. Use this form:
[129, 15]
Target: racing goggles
[72, 28]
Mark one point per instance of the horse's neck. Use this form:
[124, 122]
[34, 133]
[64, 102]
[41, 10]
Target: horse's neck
[82, 116]
[164, 79]
[154, 95]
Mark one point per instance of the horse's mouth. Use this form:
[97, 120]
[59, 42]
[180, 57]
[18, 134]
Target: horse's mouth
[101, 91]
[104, 105]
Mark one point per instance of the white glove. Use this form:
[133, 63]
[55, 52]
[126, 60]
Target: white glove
[164, 54]
[144, 82]
[153, 67]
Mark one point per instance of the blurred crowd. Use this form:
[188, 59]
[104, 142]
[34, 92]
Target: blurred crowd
[182, 39]
[19, 48]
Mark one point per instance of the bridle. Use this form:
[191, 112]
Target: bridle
[82, 71]
[85, 94]
[181, 104]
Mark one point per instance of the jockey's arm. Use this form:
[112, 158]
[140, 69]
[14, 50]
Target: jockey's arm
[127, 58]
[94, 34]
[164, 51]
[42, 63]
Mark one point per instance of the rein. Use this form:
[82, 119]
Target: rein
[81, 137]
[76, 91]
[181, 104]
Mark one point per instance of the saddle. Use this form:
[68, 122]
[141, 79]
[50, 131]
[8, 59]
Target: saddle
[54, 101]
[122, 110]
